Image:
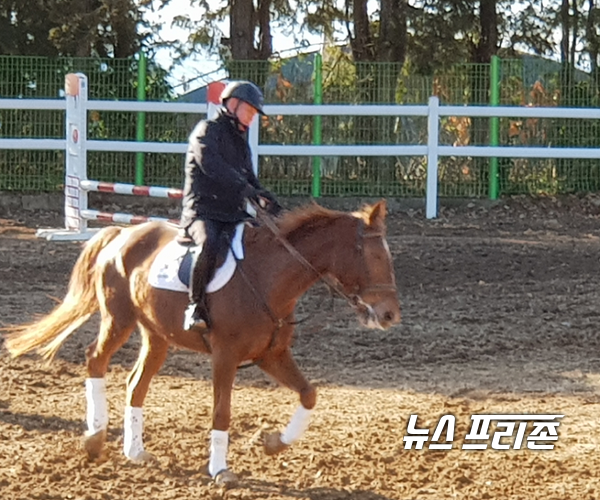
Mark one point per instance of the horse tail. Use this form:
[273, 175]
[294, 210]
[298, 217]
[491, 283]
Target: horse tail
[47, 334]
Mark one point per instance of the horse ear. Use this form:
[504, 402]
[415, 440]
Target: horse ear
[377, 215]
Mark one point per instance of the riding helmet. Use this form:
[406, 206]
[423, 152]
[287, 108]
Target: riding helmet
[244, 91]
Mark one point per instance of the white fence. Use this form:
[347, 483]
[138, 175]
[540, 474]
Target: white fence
[76, 143]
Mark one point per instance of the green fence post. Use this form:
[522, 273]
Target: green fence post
[318, 99]
[141, 119]
[494, 125]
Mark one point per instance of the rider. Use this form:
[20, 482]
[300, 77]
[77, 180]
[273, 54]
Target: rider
[218, 180]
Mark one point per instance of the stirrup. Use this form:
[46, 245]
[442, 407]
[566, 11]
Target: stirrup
[190, 322]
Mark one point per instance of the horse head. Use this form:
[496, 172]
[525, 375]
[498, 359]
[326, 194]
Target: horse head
[366, 274]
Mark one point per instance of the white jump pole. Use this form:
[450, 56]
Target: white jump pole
[76, 198]
[76, 93]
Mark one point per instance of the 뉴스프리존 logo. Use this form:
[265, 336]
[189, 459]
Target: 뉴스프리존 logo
[542, 435]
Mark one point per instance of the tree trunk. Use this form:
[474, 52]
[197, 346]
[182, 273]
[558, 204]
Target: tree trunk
[392, 31]
[247, 61]
[241, 30]
[557, 132]
[488, 21]
[564, 23]
[362, 45]
[85, 32]
[265, 39]
[125, 39]
[593, 40]
[575, 30]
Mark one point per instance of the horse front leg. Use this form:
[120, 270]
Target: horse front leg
[223, 375]
[283, 368]
[152, 355]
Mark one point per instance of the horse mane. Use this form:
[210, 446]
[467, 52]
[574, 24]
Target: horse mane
[307, 218]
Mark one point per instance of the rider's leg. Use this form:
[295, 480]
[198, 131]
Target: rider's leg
[208, 233]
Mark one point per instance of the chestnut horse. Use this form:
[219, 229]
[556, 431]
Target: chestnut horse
[252, 316]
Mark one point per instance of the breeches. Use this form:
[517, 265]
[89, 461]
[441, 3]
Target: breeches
[215, 236]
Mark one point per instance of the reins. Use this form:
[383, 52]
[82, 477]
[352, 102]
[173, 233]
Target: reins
[354, 300]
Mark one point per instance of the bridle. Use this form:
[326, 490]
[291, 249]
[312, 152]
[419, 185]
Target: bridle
[354, 299]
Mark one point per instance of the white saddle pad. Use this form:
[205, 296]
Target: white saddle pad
[164, 271]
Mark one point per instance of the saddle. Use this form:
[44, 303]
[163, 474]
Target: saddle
[172, 267]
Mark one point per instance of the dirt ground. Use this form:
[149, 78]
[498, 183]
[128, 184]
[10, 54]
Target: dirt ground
[500, 315]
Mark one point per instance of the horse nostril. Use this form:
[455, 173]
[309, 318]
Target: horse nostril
[388, 317]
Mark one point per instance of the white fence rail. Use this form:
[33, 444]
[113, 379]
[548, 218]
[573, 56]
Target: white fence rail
[76, 143]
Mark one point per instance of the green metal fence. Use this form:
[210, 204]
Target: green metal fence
[527, 81]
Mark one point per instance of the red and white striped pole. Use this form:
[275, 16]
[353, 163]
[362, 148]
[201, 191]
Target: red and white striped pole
[122, 218]
[152, 191]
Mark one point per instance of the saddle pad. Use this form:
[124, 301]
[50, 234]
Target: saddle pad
[164, 271]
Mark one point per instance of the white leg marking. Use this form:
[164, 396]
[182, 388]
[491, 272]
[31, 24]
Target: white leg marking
[219, 441]
[297, 426]
[97, 407]
[133, 444]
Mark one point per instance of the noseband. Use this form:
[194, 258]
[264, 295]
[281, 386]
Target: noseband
[361, 237]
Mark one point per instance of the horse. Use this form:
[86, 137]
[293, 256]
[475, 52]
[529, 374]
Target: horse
[252, 315]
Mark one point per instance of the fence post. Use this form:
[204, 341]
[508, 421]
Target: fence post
[494, 125]
[76, 93]
[141, 119]
[317, 122]
[431, 194]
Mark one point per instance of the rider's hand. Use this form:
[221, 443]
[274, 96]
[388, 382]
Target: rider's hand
[273, 207]
[250, 192]
[265, 195]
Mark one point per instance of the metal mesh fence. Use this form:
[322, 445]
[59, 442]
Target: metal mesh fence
[43, 78]
[527, 81]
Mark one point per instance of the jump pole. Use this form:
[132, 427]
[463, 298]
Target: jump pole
[77, 185]
[76, 94]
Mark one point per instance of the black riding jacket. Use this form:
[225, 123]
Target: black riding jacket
[218, 170]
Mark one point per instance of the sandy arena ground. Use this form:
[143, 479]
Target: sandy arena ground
[500, 315]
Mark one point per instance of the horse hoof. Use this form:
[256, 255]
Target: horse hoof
[93, 444]
[273, 444]
[143, 457]
[227, 479]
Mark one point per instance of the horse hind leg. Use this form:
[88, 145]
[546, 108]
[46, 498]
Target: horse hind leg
[117, 324]
[152, 356]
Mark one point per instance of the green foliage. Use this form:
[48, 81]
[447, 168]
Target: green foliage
[102, 28]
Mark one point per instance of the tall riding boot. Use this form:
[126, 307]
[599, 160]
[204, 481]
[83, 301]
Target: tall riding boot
[196, 314]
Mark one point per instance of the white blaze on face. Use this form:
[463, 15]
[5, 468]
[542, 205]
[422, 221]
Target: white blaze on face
[389, 254]
[372, 321]
[387, 248]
